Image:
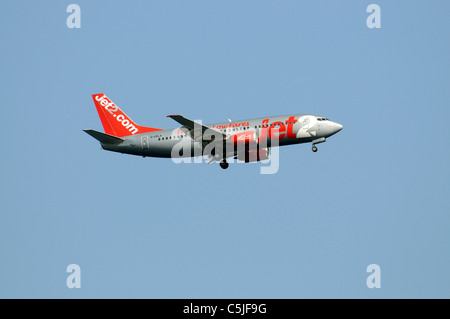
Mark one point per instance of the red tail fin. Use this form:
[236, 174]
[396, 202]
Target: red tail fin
[114, 120]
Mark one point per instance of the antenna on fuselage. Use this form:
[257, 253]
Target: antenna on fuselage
[229, 120]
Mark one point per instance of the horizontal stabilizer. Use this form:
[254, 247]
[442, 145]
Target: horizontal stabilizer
[104, 138]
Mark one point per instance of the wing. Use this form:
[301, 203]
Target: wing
[199, 132]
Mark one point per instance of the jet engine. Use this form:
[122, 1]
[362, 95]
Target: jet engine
[244, 138]
[254, 155]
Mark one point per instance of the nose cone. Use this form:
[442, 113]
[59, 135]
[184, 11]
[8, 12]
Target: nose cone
[334, 128]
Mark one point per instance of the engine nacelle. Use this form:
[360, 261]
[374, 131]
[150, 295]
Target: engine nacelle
[254, 155]
[244, 138]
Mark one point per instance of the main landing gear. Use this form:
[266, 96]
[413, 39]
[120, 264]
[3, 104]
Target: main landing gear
[224, 164]
[314, 148]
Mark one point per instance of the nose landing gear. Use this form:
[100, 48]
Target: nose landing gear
[317, 141]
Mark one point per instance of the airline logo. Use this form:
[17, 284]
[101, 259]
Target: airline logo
[105, 103]
[278, 130]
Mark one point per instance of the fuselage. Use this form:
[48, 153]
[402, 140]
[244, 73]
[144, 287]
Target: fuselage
[271, 131]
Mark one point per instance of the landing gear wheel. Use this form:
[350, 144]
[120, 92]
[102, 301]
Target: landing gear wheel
[224, 164]
[314, 148]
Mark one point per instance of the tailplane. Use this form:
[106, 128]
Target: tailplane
[104, 138]
[115, 122]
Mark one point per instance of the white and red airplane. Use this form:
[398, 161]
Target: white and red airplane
[245, 140]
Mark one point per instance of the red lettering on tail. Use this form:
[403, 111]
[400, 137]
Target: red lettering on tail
[115, 121]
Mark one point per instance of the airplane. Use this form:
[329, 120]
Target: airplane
[245, 140]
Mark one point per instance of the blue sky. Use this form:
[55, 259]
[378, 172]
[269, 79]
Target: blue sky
[375, 193]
